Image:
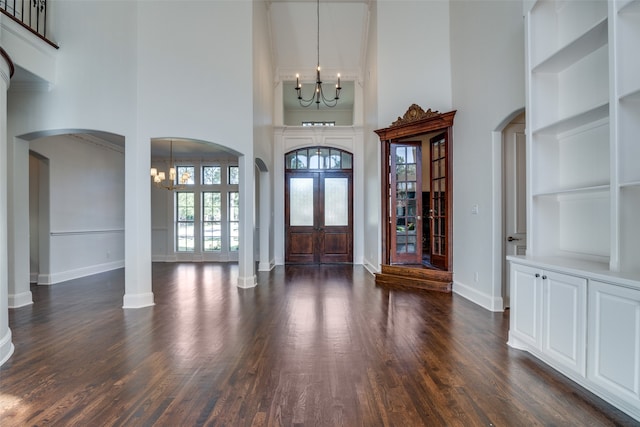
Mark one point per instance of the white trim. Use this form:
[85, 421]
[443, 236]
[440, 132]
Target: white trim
[20, 300]
[369, 266]
[63, 276]
[247, 282]
[494, 304]
[268, 266]
[138, 300]
[6, 347]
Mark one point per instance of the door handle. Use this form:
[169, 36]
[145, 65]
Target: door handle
[511, 239]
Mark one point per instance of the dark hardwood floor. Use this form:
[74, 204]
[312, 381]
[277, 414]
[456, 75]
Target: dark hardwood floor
[309, 346]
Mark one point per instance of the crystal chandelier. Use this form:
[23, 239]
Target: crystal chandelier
[318, 95]
[160, 179]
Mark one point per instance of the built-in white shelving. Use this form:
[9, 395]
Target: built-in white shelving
[575, 50]
[583, 204]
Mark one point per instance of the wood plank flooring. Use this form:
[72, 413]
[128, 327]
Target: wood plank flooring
[309, 346]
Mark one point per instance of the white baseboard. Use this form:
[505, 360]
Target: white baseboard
[267, 266]
[20, 300]
[371, 268]
[63, 276]
[482, 299]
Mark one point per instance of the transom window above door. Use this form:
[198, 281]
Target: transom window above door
[319, 158]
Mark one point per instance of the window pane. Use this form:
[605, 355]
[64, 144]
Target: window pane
[211, 206]
[335, 159]
[301, 159]
[211, 175]
[212, 236]
[181, 170]
[185, 206]
[234, 217]
[234, 175]
[185, 237]
[301, 201]
[346, 161]
[290, 162]
[185, 230]
[234, 236]
[336, 201]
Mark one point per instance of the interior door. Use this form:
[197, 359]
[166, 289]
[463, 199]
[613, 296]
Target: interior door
[406, 203]
[319, 211]
[438, 203]
[514, 199]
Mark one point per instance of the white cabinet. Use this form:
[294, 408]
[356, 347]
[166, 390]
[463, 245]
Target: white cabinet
[548, 316]
[584, 323]
[525, 313]
[614, 345]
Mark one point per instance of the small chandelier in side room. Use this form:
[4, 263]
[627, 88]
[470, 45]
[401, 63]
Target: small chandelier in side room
[160, 179]
[318, 95]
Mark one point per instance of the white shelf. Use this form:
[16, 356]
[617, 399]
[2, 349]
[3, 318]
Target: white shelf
[568, 191]
[575, 121]
[630, 184]
[590, 41]
[631, 96]
[629, 6]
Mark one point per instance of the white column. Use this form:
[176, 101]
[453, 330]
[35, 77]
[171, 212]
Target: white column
[137, 224]
[246, 263]
[6, 346]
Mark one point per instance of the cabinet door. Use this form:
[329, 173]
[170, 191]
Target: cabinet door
[614, 340]
[526, 297]
[564, 320]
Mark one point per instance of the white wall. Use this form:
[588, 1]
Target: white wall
[86, 207]
[487, 45]
[414, 63]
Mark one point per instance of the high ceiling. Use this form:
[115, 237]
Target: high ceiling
[293, 26]
[342, 37]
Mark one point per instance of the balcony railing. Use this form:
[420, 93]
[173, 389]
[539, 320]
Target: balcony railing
[31, 14]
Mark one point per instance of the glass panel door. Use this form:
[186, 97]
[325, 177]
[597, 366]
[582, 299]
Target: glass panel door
[301, 201]
[406, 203]
[336, 202]
[438, 204]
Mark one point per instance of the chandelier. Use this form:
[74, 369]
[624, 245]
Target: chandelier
[160, 179]
[318, 95]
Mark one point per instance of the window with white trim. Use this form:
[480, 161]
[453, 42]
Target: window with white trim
[207, 210]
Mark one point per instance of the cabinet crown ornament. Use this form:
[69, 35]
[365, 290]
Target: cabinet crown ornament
[415, 112]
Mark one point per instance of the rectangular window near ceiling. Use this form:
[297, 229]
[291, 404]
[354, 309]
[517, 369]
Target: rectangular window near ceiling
[188, 170]
[234, 175]
[211, 221]
[211, 175]
[185, 226]
[234, 221]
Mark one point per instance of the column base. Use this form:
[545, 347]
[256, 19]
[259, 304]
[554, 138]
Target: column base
[247, 282]
[138, 300]
[6, 347]
[20, 300]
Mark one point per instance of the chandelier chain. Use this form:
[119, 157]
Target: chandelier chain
[318, 95]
